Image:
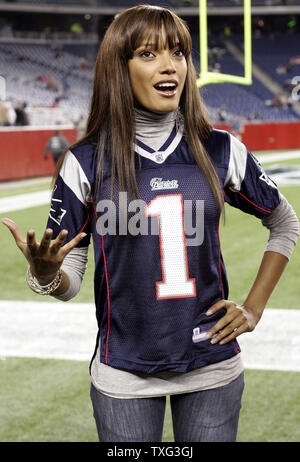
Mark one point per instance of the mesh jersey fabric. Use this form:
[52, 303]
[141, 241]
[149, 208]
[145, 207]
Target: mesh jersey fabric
[158, 260]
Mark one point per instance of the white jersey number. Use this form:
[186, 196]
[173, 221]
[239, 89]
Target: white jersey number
[175, 275]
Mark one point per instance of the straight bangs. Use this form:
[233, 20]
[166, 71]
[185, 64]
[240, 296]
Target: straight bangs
[157, 28]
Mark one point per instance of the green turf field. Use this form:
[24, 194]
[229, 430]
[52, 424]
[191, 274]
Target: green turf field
[48, 400]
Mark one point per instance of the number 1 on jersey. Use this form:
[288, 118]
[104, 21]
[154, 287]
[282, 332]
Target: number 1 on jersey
[175, 275]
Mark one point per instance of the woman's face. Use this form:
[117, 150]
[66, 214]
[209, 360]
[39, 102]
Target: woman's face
[157, 77]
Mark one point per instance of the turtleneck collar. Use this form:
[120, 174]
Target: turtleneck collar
[154, 128]
[143, 116]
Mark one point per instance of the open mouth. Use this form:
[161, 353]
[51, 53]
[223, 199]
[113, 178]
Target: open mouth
[166, 88]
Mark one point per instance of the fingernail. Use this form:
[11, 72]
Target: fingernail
[208, 312]
[5, 220]
[208, 335]
[83, 235]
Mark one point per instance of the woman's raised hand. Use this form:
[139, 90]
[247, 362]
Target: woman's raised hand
[45, 258]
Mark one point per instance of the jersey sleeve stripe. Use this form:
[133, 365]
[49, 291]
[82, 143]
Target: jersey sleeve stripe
[237, 164]
[74, 177]
[255, 205]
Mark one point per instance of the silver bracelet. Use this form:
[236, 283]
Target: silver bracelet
[43, 290]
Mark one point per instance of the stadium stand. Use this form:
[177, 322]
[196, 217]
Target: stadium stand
[278, 55]
[57, 74]
[37, 75]
[250, 102]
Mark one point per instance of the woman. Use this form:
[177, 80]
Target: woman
[146, 180]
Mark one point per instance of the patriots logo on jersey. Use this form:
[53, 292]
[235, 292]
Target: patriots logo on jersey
[158, 183]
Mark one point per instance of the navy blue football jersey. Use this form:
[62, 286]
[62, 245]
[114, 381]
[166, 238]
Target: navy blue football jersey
[158, 260]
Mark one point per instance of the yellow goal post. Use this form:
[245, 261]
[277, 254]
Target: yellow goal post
[205, 76]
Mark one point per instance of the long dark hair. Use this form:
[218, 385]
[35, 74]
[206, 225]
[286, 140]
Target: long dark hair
[111, 118]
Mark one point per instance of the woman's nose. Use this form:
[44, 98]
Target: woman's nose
[167, 65]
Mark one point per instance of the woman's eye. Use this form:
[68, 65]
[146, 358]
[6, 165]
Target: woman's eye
[179, 53]
[146, 54]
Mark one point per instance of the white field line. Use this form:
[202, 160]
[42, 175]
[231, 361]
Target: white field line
[47, 329]
[24, 201]
[283, 155]
[68, 331]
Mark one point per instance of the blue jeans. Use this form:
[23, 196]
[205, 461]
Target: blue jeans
[209, 415]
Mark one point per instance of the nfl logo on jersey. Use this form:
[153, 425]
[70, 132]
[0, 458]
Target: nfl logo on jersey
[159, 157]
